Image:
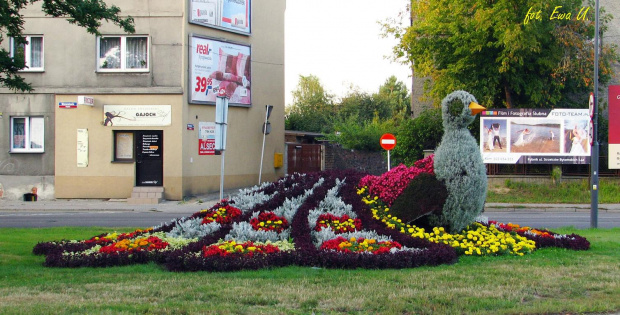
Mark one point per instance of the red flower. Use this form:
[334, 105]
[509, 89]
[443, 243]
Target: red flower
[139, 244]
[338, 224]
[359, 245]
[390, 185]
[268, 221]
[221, 215]
[232, 248]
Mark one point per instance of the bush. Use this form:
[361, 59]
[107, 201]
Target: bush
[360, 135]
[424, 195]
[416, 135]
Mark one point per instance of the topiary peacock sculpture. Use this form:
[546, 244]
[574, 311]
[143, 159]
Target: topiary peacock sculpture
[458, 163]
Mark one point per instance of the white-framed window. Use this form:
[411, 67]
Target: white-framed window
[31, 53]
[123, 146]
[27, 134]
[123, 54]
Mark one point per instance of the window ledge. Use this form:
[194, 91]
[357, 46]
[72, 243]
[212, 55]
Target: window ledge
[22, 152]
[99, 71]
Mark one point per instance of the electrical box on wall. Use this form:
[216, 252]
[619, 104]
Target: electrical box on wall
[278, 160]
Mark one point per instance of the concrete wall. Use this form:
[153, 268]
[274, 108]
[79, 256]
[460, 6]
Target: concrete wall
[70, 70]
[242, 158]
[104, 178]
[20, 172]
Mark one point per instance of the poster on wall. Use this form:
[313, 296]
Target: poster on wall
[206, 138]
[614, 127]
[230, 15]
[218, 65]
[137, 115]
[535, 136]
[82, 148]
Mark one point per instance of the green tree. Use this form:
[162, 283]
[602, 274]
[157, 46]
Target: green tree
[356, 134]
[508, 53]
[312, 108]
[85, 13]
[363, 106]
[397, 96]
[364, 117]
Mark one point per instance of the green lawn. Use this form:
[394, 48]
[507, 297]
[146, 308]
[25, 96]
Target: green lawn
[565, 192]
[549, 281]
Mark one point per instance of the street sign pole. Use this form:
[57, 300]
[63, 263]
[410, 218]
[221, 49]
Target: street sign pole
[388, 142]
[268, 109]
[221, 120]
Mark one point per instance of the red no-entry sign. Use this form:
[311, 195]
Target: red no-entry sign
[388, 141]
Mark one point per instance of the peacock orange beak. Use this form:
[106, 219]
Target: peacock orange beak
[476, 108]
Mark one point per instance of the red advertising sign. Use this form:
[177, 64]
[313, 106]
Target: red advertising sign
[388, 141]
[206, 146]
[614, 114]
[614, 127]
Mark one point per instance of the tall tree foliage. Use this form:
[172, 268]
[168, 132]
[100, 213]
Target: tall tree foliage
[512, 53]
[85, 13]
[312, 108]
[397, 96]
[357, 121]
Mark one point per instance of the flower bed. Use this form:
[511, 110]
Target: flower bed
[316, 219]
[544, 238]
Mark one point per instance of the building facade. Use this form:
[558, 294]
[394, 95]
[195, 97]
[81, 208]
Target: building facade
[119, 111]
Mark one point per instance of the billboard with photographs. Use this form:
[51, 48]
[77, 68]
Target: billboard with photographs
[217, 65]
[535, 136]
[614, 127]
[229, 15]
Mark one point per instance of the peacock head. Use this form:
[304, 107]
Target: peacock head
[459, 109]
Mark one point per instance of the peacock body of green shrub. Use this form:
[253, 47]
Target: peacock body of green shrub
[424, 195]
[458, 164]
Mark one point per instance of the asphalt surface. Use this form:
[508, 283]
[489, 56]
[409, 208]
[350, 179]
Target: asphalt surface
[118, 213]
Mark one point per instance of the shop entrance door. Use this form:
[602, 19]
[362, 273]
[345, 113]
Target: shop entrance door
[149, 158]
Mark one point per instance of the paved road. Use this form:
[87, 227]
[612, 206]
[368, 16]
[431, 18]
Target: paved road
[107, 218]
[123, 218]
[551, 220]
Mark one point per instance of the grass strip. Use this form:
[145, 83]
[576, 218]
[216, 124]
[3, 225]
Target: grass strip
[550, 280]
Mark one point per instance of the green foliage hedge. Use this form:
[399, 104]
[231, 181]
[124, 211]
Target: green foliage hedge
[424, 195]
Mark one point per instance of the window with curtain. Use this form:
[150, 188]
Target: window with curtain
[123, 53]
[31, 53]
[27, 134]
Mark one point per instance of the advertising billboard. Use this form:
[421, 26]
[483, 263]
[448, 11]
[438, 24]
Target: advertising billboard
[229, 15]
[218, 65]
[137, 115]
[614, 127]
[535, 136]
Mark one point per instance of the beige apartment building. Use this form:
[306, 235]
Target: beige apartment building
[116, 113]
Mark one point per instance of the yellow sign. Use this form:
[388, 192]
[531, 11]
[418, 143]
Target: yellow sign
[278, 160]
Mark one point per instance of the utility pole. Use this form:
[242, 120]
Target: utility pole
[594, 184]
